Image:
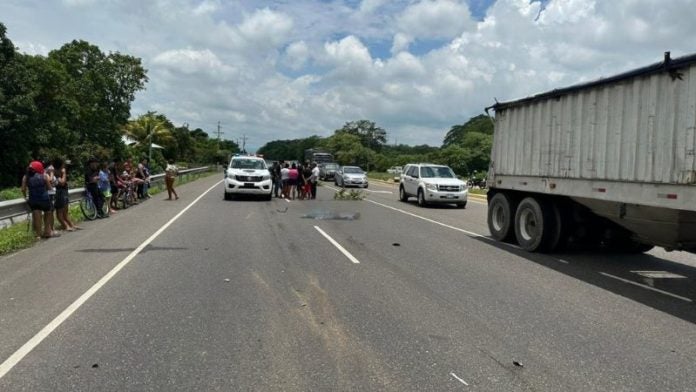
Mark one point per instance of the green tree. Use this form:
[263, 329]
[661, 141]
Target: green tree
[151, 127]
[370, 135]
[481, 124]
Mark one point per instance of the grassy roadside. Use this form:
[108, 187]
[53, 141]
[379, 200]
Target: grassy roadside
[17, 236]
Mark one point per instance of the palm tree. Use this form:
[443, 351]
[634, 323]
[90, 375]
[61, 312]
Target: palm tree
[150, 128]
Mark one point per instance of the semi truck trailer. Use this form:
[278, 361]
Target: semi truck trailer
[609, 163]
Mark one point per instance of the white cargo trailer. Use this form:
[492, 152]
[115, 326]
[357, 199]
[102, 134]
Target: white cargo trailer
[610, 163]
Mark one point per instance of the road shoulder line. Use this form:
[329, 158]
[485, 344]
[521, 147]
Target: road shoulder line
[23, 351]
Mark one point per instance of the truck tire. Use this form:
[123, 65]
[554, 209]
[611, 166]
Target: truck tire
[534, 225]
[501, 217]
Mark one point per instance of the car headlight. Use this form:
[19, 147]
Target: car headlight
[346, 178]
[266, 177]
[431, 187]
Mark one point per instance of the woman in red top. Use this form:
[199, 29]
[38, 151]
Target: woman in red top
[293, 175]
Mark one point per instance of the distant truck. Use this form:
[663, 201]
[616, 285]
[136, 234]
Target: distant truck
[318, 156]
[610, 163]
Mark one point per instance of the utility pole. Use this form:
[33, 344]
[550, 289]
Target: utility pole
[244, 139]
[219, 133]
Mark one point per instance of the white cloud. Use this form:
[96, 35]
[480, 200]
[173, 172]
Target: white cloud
[296, 55]
[207, 7]
[191, 61]
[435, 19]
[211, 60]
[266, 27]
[367, 6]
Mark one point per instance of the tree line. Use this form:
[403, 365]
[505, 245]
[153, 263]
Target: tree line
[75, 103]
[466, 148]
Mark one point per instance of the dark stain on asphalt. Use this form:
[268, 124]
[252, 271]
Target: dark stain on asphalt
[95, 366]
[332, 215]
[518, 364]
[396, 244]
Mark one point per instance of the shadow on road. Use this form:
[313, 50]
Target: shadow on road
[673, 283]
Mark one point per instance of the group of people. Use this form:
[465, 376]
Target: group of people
[295, 180]
[45, 187]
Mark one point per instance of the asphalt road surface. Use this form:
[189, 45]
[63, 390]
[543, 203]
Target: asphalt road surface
[203, 294]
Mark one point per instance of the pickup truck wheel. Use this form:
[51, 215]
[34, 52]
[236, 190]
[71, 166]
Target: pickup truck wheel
[534, 225]
[402, 194]
[421, 198]
[500, 217]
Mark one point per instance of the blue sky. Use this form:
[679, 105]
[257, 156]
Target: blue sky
[288, 69]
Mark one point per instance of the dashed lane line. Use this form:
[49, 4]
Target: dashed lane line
[338, 246]
[646, 287]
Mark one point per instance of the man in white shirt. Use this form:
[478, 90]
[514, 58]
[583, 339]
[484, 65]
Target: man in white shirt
[284, 177]
[313, 179]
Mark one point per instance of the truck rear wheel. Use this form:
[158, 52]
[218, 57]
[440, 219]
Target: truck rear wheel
[535, 225]
[500, 217]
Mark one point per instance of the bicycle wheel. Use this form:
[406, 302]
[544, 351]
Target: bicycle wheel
[89, 210]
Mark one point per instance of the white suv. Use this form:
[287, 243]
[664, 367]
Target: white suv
[432, 184]
[247, 175]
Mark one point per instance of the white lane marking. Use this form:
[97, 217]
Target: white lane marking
[15, 358]
[562, 261]
[659, 275]
[459, 379]
[470, 233]
[338, 246]
[646, 287]
[371, 191]
[287, 200]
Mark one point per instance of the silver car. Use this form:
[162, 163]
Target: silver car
[350, 176]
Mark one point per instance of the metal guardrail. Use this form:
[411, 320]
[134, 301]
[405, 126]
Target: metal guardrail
[13, 209]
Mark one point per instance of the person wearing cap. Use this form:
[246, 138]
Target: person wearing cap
[35, 186]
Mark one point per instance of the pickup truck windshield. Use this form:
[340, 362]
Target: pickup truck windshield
[248, 164]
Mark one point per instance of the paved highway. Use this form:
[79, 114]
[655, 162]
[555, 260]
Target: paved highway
[207, 295]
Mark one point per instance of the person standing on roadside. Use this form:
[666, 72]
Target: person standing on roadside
[92, 185]
[307, 175]
[170, 173]
[275, 177]
[62, 197]
[284, 180]
[52, 181]
[314, 179]
[143, 173]
[293, 174]
[104, 185]
[36, 184]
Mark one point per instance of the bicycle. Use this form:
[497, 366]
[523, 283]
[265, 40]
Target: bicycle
[89, 208]
[126, 196]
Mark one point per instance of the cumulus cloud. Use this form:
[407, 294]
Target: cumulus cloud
[414, 67]
[266, 27]
[296, 55]
[435, 19]
[191, 61]
[207, 7]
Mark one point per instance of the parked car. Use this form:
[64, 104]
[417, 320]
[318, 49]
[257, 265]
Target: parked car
[247, 175]
[395, 170]
[432, 184]
[327, 171]
[350, 176]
